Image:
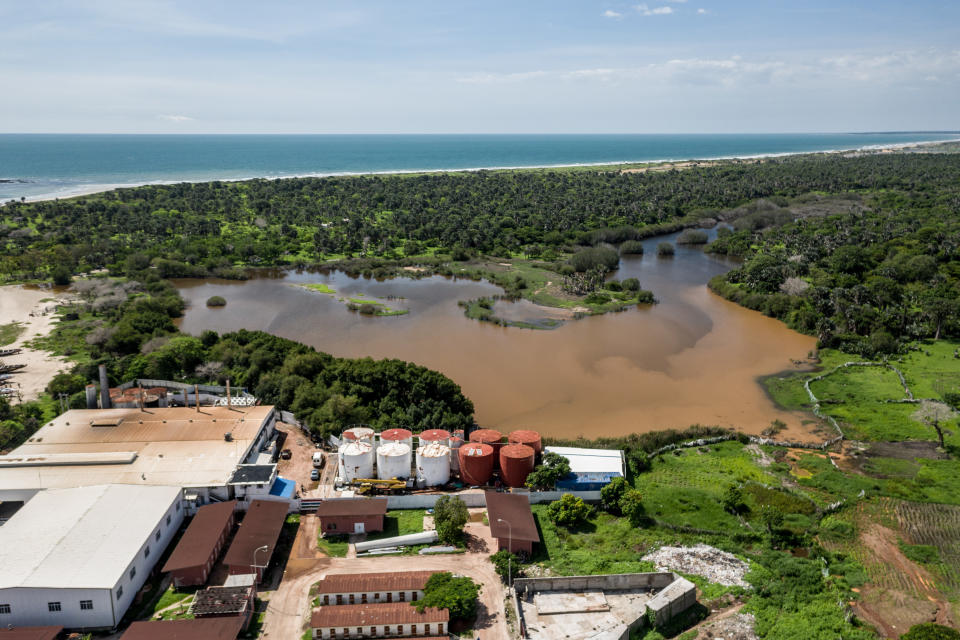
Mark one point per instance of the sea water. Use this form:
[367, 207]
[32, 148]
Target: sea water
[34, 166]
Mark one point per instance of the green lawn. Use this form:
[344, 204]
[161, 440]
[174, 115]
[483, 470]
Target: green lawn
[10, 332]
[320, 288]
[400, 523]
[335, 546]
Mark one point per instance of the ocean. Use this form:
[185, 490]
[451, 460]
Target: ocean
[36, 166]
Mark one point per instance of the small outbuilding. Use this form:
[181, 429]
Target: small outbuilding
[196, 629]
[590, 469]
[364, 588]
[225, 602]
[199, 547]
[352, 515]
[256, 539]
[511, 522]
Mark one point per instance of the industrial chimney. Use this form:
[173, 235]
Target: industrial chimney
[104, 388]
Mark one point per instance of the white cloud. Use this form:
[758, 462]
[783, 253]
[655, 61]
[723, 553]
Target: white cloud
[175, 118]
[644, 9]
[702, 12]
[609, 13]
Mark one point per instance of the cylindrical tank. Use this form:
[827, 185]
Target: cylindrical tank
[397, 435]
[358, 434]
[393, 460]
[435, 435]
[529, 438]
[456, 441]
[356, 460]
[476, 463]
[433, 464]
[91, 392]
[491, 437]
[516, 463]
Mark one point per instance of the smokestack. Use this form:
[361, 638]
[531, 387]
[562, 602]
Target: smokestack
[229, 403]
[91, 396]
[104, 388]
[196, 395]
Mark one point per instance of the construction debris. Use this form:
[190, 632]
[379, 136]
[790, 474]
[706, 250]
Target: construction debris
[718, 567]
[735, 627]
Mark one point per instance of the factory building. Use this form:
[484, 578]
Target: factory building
[372, 588]
[511, 522]
[253, 546]
[590, 469]
[199, 547]
[197, 450]
[394, 620]
[77, 557]
[352, 515]
[197, 629]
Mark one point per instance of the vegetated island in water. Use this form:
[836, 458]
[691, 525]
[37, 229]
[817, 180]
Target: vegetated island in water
[359, 303]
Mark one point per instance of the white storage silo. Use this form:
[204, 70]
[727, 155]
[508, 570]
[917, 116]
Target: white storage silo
[433, 464]
[393, 460]
[358, 434]
[356, 460]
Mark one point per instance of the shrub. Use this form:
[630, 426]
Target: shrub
[613, 285]
[692, 236]
[216, 301]
[552, 467]
[503, 562]
[665, 249]
[631, 505]
[588, 259]
[630, 284]
[597, 298]
[645, 297]
[930, 631]
[733, 500]
[450, 516]
[458, 595]
[568, 511]
[631, 247]
[611, 494]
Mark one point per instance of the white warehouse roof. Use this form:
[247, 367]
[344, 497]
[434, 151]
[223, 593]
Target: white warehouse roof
[591, 460]
[81, 538]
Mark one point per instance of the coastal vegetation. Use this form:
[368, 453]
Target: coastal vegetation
[359, 303]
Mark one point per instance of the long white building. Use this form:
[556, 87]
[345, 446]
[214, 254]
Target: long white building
[77, 557]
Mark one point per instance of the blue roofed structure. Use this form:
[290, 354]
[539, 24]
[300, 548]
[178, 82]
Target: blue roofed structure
[283, 488]
[590, 469]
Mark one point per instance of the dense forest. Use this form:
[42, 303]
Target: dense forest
[864, 282]
[215, 227]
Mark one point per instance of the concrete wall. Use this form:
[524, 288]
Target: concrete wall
[679, 596]
[478, 499]
[609, 582]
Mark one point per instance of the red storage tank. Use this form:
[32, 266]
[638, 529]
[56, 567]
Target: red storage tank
[489, 436]
[476, 463]
[516, 463]
[435, 435]
[529, 438]
[397, 435]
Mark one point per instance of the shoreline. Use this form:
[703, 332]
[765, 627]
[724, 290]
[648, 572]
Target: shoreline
[631, 165]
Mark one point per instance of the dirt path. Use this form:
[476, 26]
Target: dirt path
[289, 605]
[25, 306]
[890, 610]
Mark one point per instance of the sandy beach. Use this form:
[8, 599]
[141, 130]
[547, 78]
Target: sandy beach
[27, 306]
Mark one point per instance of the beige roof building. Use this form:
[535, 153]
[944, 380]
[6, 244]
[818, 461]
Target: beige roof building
[176, 446]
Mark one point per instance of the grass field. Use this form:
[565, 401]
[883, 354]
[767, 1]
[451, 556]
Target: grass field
[333, 546]
[400, 523]
[10, 332]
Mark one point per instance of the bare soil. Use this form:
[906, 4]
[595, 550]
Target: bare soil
[23, 305]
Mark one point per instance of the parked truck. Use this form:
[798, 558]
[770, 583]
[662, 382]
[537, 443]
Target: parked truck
[318, 459]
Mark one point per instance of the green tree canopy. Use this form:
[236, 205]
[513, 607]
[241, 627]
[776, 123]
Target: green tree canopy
[456, 594]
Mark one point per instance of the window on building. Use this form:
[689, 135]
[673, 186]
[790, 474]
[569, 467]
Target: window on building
[178, 505]
[376, 596]
[86, 605]
[352, 599]
[359, 631]
[426, 629]
[403, 596]
[146, 552]
[133, 572]
[332, 525]
[157, 535]
[373, 631]
[414, 596]
[4, 609]
[168, 519]
[119, 592]
[326, 599]
[413, 629]
[53, 607]
[400, 629]
[386, 629]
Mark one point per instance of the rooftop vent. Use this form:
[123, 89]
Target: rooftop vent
[106, 422]
[228, 436]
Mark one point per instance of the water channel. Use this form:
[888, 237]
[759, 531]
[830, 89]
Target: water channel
[692, 358]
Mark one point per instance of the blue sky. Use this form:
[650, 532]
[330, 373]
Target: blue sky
[430, 67]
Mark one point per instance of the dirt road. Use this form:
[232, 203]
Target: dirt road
[289, 605]
[27, 307]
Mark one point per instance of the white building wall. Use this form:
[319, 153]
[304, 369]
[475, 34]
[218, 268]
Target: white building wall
[29, 605]
[373, 597]
[436, 629]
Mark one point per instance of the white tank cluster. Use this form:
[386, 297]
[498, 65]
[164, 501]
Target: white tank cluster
[359, 434]
[394, 460]
[356, 459]
[433, 464]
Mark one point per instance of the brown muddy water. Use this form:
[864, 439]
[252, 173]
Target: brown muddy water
[693, 358]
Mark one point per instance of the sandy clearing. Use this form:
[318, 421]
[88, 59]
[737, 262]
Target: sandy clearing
[19, 304]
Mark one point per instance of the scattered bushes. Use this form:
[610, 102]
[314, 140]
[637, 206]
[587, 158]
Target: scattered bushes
[665, 250]
[216, 301]
[568, 511]
[631, 248]
[588, 259]
[692, 236]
